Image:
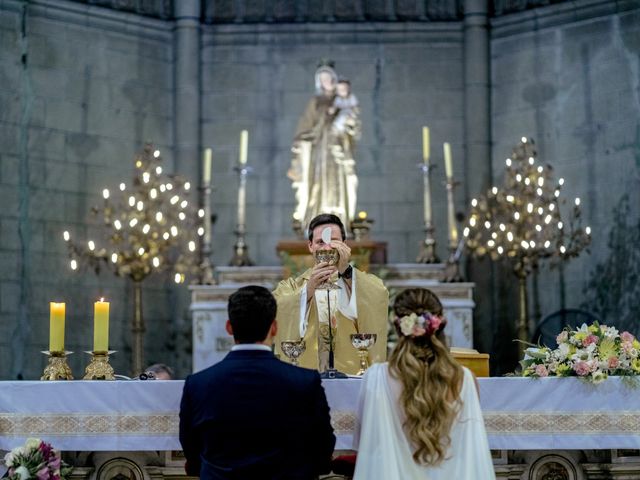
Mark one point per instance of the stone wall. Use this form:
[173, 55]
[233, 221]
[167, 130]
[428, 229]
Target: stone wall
[81, 89]
[574, 87]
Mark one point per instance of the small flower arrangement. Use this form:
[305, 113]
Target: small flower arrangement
[418, 325]
[592, 352]
[36, 460]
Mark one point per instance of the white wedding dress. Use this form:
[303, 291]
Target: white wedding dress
[384, 452]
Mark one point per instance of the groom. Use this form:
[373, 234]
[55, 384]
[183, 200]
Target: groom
[252, 416]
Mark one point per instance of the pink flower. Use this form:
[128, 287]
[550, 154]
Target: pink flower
[589, 340]
[582, 368]
[541, 371]
[614, 362]
[418, 331]
[43, 473]
[627, 337]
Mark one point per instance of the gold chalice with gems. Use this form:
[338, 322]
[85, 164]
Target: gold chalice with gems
[363, 342]
[293, 350]
[331, 257]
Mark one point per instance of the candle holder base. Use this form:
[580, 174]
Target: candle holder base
[452, 270]
[241, 256]
[428, 251]
[99, 368]
[360, 228]
[57, 368]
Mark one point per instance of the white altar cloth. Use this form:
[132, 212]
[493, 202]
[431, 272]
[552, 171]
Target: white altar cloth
[520, 413]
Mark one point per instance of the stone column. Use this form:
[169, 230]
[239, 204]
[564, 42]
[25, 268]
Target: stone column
[187, 89]
[477, 161]
[187, 137]
[477, 99]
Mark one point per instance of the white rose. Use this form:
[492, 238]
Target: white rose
[23, 472]
[32, 444]
[407, 323]
[8, 459]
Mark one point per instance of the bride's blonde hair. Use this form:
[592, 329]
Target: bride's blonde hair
[431, 379]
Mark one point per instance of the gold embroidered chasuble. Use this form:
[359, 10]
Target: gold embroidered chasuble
[372, 301]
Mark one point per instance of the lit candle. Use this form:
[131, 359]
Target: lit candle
[448, 167]
[206, 168]
[425, 145]
[244, 140]
[362, 215]
[56, 327]
[101, 326]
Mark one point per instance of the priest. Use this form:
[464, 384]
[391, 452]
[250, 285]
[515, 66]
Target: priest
[306, 311]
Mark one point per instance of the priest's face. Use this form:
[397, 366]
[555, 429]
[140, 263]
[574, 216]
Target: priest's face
[317, 243]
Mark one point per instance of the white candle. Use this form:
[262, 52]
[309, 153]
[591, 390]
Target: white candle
[425, 145]
[244, 140]
[206, 167]
[448, 167]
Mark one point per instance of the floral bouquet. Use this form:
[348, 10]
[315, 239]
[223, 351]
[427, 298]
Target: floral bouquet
[592, 352]
[36, 460]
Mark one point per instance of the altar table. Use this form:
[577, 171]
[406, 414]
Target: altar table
[520, 413]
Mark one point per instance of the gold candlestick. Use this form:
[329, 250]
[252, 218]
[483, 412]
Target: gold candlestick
[99, 368]
[452, 270]
[57, 367]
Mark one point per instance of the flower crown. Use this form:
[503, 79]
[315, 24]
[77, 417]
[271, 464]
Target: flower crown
[419, 325]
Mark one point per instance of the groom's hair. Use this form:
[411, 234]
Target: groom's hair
[251, 310]
[326, 219]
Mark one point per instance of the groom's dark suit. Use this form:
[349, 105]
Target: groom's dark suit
[252, 416]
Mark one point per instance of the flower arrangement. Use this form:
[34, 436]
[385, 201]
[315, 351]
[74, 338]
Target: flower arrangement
[36, 460]
[418, 325]
[592, 352]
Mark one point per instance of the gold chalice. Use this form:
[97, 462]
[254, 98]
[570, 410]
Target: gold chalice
[293, 350]
[331, 257]
[363, 342]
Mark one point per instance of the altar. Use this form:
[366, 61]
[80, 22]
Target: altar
[534, 426]
[211, 342]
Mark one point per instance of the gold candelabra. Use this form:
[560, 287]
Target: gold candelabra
[522, 222]
[148, 226]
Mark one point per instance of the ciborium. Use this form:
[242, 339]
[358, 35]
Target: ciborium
[331, 257]
[293, 350]
[363, 342]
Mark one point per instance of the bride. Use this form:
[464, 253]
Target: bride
[419, 413]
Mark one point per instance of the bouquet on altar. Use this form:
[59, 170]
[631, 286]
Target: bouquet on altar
[592, 352]
[36, 459]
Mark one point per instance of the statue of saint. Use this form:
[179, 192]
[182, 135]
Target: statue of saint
[323, 168]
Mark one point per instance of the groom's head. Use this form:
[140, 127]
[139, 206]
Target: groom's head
[252, 313]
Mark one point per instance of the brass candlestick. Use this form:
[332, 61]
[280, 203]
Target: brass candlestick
[452, 270]
[99, 368]
[57, 367]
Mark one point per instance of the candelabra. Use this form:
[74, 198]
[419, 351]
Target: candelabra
[151, 226]
[522, 222]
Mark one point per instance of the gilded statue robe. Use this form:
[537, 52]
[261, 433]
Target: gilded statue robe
[367, 313]
[323, 166]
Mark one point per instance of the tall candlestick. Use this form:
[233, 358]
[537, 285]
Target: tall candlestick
[448, 166]
[56, 326]
[244, 141]
[425, 145]
[101, 326]
[206, 167]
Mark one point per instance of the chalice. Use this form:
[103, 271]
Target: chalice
[363, 342]
[331, 257]
[293, 350]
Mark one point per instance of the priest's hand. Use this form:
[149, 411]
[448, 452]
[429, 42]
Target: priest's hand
[344, 255]
[321, 272]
